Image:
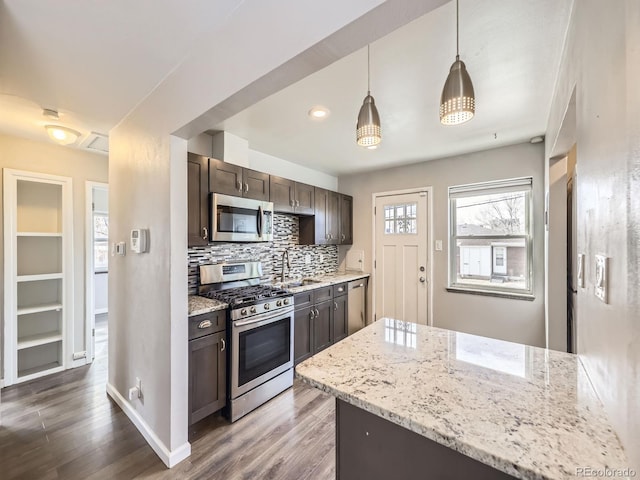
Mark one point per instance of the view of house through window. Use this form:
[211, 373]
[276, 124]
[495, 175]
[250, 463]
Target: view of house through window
[100, 241]
[490, 243]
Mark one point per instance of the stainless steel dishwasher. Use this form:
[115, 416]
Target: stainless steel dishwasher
[357, 290]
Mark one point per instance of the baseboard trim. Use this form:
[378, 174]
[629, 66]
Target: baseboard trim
[169, 458]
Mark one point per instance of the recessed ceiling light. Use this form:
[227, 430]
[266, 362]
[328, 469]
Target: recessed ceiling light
[319, 112]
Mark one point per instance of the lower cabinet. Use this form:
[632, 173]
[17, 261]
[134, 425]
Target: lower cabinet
[320, 320]
[207, 375]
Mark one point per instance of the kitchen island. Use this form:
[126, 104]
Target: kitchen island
[414, 401]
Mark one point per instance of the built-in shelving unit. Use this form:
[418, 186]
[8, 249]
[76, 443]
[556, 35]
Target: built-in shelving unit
[38, 274]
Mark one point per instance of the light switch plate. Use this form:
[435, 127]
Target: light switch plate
[602, 273]
[438, 245]
[580, 273]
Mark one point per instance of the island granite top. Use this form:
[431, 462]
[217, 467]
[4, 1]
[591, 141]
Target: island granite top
[527, 411]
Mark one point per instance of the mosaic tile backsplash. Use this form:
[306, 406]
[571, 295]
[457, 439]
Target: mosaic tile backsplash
[323, 258]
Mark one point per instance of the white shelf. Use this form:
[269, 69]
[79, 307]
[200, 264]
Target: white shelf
[34, 278]
[41, 339]
[39, 234]
[39, 371]
[40, 308]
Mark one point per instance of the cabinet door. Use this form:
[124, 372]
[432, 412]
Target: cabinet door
[282, 192]
[207, 376]
[321, 200]
[302, 334]
[198, 200]
[255, 185]
[346, 220]
[305, 204]
[322, 326]
[340, 319]
[333, 217]
[225, 178]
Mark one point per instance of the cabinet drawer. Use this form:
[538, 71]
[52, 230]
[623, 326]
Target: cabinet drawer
[322, 294]
[339, 290]
[207, 323]
[303, 299]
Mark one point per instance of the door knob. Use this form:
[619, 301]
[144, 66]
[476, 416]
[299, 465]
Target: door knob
[422, 279]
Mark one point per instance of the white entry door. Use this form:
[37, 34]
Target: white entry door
[401, 270]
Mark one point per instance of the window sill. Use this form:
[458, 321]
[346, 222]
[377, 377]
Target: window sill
[491, 293]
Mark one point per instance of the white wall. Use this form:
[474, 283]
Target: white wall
[508, 319]
[80, 165]
[602, 62]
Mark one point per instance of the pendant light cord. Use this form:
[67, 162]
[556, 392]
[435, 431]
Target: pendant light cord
[457, 33]
[368, 70]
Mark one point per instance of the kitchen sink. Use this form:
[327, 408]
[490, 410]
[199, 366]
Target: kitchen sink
[300, 283]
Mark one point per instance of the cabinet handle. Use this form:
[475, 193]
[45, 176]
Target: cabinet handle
[341, 289]
[239, 183]
[246, 187]
[330, 236]
[291, 202]
[224, 345]
[205, 233]
[335, 305]
[204, 324]
[317, 313]
[297, 203]
[343, 237]
[311, 314]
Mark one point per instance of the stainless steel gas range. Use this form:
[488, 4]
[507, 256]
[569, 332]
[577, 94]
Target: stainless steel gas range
[260, 333]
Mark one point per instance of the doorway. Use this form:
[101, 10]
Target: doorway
[97, 256]
[402, 267]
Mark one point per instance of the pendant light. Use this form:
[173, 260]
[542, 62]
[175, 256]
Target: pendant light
[368, 132]
[458, 102]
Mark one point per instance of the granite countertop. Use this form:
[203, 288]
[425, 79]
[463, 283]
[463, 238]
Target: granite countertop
[199, 305]
[529, 412]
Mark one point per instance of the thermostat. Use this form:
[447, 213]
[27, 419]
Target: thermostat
[139, 240]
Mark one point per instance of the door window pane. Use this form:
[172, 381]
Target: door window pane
[401, 219]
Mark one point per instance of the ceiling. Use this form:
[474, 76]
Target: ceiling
[512, 51]
[95, 61]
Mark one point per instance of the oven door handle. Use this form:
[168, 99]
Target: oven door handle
[260, 221]
[263, 321]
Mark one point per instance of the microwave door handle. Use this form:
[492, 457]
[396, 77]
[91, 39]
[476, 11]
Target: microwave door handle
[260, 221]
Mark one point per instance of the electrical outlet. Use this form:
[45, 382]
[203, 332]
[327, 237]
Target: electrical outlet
[139, 387]
[601, 288]
[321, 258]
[307, 259]
[79, 355]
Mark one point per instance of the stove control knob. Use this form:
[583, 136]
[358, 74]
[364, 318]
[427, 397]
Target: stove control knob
[253, 309]
[286, 301]
[243, 311]
[279, 303]
[266, 306]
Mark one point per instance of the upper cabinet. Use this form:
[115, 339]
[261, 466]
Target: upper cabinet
[332, 223]
[198, 194]
[292, 197]
[233, 180]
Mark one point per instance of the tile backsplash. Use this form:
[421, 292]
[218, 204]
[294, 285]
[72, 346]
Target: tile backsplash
[322, 258]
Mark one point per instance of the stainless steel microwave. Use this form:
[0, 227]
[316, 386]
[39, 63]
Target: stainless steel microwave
[236, 219]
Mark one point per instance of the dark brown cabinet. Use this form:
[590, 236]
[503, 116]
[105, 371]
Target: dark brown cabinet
[340, 316]
[197, 200]
[207, 365]
[289, 196]
[332, 223]
[321, 319]
[230, 179]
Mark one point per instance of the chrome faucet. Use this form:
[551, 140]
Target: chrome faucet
[285, 254]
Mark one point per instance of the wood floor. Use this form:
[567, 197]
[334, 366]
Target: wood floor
[66, 427]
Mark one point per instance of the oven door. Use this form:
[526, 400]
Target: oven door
[236, 219]
[261, 348]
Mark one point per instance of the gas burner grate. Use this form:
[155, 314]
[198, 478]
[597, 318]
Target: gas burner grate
[246, 295]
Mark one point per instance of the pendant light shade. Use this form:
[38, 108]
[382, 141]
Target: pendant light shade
[458, 101]
[368, 131]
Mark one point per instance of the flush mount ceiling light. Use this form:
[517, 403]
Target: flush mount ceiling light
[62, 135]
[458, 101]
[319, 112]
[368, 132]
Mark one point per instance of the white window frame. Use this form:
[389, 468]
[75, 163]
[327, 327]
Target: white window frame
[499, 186]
